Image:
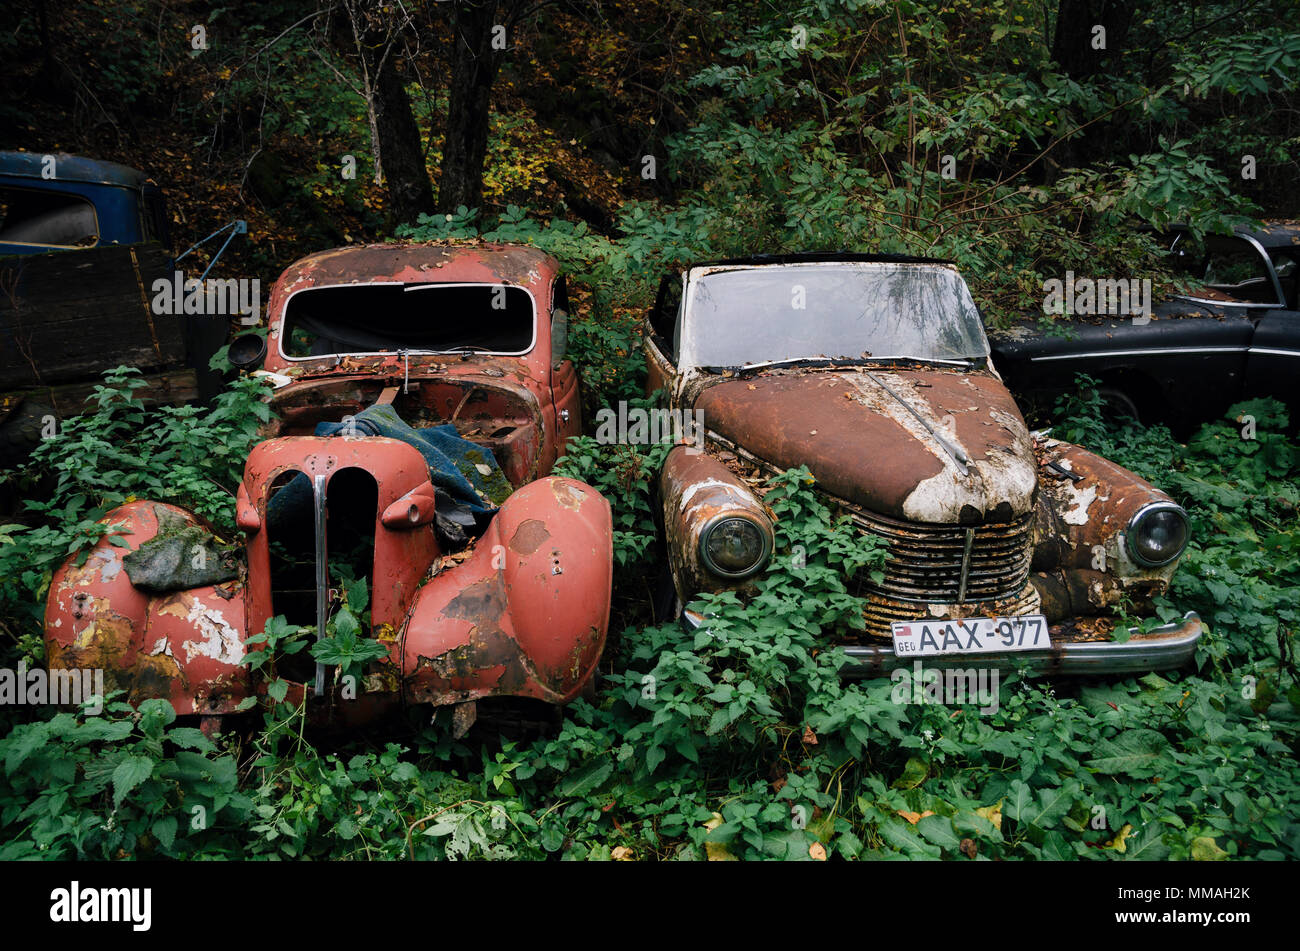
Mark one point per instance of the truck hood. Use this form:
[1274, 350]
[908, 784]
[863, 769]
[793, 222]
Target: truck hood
[927, 445]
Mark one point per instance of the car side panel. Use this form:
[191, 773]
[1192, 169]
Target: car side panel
[1273, 363]
[1187, 363]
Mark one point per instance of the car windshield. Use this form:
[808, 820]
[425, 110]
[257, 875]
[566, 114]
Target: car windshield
[841, 310]
[384, 318]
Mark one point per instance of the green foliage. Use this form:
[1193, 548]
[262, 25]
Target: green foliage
[116, 452]
[897, 128]
[343, 645]
[127, 784]
[741, 739]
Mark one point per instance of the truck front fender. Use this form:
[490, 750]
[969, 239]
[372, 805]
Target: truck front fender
[525, 614]
[185, 646]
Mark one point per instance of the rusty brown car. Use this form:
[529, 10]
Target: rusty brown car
[1004, 546]
[421, 398]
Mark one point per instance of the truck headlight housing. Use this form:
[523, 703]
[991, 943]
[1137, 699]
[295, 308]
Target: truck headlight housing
[733, 546]
[1157, 534]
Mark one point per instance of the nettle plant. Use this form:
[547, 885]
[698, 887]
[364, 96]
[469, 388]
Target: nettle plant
[132, 783]
[115, 452]
[342, 646]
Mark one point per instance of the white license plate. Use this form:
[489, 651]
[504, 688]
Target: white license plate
[972, 635]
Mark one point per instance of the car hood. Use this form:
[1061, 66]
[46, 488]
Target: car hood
[927, 445]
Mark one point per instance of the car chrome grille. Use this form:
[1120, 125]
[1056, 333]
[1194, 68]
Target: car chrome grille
[947, 564]
[881, 612]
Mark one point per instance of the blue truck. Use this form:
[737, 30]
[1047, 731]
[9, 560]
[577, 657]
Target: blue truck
[82, 243]
[68, 202]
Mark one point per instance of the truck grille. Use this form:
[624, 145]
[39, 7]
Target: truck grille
[947, 564]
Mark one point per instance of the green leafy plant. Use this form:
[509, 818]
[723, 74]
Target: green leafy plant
[116, 452]
[343, 646]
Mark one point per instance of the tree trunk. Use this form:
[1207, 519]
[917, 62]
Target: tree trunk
[1075, 52]
[376, 38]
[410, 192]
[474, 66]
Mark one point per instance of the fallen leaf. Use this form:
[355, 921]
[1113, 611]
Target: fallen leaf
[809, 737]
[1205, 849]
[992, 813]
[1117, 843]
[621, 853]
[717, 851]
[914, 817]
[817, 851]
[969, 848]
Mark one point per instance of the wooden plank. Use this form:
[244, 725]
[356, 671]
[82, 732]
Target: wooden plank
[68, 316]
[173, 387]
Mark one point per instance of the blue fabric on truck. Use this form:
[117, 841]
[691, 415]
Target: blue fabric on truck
[452, 460]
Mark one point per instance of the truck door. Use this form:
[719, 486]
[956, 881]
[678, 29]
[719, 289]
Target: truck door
[565, 391]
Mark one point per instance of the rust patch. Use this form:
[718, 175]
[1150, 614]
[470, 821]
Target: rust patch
[482, 603]
[153, 676]
[864, 446]
[567, 495]
[107, 643]
[104, 642]
[529, 536]
[219, 696]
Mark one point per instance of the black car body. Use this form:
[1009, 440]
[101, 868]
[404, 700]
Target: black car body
[1236, 335]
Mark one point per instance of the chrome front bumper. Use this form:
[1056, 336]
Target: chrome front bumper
[1162, 648]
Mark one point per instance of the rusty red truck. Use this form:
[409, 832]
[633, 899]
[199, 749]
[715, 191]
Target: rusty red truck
[421, 396]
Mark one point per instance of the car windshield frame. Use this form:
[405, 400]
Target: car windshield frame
[284, 328]
[692, 355]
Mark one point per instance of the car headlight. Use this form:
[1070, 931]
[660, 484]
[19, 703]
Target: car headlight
[1157, 534]
[733, 546]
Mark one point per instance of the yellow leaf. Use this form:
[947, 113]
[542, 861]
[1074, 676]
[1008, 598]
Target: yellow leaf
[717, 851]
[1117, 843]
[817, 851]
[1205, 849]
[992, 813]
[915, 817]
[621, 853]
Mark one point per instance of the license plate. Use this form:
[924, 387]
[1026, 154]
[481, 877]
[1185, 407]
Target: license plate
[972, 635]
